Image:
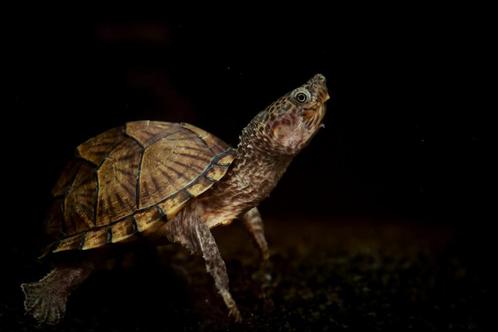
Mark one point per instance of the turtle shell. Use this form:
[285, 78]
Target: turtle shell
[128, 179]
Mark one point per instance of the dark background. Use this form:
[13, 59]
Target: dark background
[407, 131]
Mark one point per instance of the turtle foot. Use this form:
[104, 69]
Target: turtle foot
[45, 306]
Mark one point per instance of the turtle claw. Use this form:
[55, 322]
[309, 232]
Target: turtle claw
[234, 313]
[264, 275]
[45, 307]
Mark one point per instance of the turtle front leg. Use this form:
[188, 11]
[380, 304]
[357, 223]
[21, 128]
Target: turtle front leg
[254, 224]
[195, 235]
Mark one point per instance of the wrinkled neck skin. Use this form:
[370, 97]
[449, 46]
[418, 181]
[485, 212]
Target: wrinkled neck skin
[251, 178]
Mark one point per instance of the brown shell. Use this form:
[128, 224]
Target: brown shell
[129, 178]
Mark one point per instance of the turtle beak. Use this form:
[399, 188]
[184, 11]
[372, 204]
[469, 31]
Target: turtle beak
[313, 118]
[322, 111]
[324, 94]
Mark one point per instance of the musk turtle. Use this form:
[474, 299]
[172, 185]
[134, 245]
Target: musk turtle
[170, 181]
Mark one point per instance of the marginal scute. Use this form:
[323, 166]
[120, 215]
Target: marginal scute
[145, 218]
[95, 238]
[173, 204]
[70, 243]
[226, 160]
[216, 172]
[123, 230]
[200, 185]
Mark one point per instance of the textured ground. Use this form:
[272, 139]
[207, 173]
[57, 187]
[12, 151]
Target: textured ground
[325, 276]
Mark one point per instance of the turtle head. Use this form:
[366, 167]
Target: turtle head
[289, 123]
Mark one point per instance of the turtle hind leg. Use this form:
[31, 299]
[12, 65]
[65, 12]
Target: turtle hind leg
[46, 299]
[43, 306]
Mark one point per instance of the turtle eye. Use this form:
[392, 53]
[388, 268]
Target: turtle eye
[302, 96]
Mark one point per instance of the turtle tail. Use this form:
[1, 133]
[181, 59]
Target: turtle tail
[42, 302]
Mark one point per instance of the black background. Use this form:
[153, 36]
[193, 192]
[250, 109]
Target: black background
[407, 131]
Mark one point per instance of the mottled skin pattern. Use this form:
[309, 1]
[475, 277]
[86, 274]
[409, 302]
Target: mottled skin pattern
[267, 146]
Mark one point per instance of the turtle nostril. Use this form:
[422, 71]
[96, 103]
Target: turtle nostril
[320, 78]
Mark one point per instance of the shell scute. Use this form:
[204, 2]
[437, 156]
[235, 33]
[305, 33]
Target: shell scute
[128, 179]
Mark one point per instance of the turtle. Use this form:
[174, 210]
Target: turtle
[173, 182]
